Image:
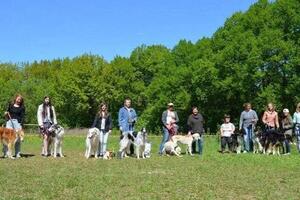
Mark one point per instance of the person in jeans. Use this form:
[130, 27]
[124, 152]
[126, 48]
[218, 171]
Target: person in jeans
[226, 130]
[127, 119]
[46, 117]
[195, 125]
[296, 121]
[15, 114]
[248, 120]
[103, 122]
[287, 127]
[169, 119]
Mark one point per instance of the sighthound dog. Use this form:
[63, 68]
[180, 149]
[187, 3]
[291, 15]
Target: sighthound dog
[57, 139]
[92, 142]
[9, 137]
[187, 140]
[140, 143]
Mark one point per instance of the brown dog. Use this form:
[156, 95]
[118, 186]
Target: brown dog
[9, 137]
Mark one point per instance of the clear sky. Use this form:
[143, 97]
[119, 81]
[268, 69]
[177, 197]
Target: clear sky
[46, 29]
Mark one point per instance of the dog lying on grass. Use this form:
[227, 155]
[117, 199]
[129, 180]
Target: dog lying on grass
[9, 137]
[171, 148]
[92, 142]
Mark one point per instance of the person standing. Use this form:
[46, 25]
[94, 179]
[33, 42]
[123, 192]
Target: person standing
[195, 125]
[46, 117]
[15, 114]
[227, 129]
[287, 127]
[169, 119]
[248, 120]
[103, 122]
[127, 119]
[296, 121]
[270, 118]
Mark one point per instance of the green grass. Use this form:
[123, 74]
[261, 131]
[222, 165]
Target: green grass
[214, 176]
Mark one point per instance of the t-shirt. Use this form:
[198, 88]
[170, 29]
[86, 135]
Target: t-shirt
[170, 117]
[228, 129]
[296, 118]
[103, 120]
[270, 118]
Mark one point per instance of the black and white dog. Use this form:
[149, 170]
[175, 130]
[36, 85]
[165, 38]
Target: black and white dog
[56, 140]
[272, 141]
[140, 142]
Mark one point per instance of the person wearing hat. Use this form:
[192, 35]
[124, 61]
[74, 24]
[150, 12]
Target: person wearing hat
[227, 129]
[169, 119]
[287, 127]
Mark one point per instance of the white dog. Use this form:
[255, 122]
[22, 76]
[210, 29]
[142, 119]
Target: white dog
[124, 144]
[57, 139]
[170, 148]
[140, 143]
[186, 139]
[92, 142]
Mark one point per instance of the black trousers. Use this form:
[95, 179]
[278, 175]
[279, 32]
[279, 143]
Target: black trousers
[226, 141]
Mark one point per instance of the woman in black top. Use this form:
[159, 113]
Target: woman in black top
[15, 117]
[103, 122]
[195, 125]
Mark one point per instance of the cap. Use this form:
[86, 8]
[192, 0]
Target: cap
[286, 110]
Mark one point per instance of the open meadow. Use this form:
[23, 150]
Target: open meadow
[213, 176]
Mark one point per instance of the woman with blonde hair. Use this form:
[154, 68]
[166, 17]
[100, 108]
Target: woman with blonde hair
[296, 121]
[270, 118]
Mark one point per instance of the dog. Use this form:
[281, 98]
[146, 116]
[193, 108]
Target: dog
[108, 155]
[92, 142]
[273, 142]
[140, 143]
[125, 143]
[237, 141]
[57, 139]
[9, 137]
[171, 148]
[187, 139]
[257, 141]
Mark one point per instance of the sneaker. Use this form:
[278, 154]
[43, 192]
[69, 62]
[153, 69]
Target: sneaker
[286, 154]
[18, 155]
[245, 152]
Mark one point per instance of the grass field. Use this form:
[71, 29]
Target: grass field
[214, 176]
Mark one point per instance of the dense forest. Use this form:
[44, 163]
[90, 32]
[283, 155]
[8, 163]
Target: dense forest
[254, 57]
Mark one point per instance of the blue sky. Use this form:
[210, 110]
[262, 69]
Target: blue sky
[47, 29]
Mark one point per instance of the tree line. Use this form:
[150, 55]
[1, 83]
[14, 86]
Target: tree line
[254, 57]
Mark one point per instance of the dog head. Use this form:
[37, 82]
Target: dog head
[93, 132]
[109, 155]
[56, 130]
[196, 136]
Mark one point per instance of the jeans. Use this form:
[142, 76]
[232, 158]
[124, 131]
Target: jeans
[297, 133]
[164, 139]
[287, 146]
[102, 142]
[200, 145]
[248, 131]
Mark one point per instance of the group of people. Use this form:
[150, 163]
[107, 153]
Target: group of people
[127, 118]
[270, 122]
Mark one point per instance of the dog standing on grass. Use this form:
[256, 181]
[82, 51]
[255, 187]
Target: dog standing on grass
[9, 137]
[140, 143]
[56, 140]
[187, 140]
[92, 142]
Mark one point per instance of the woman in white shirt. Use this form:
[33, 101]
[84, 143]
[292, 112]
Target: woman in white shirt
[46, 117]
